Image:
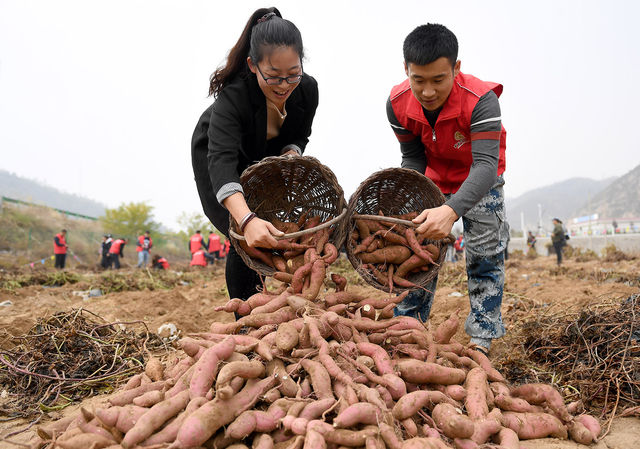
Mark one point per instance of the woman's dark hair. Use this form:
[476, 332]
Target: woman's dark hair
[265, 29]
[429, 42]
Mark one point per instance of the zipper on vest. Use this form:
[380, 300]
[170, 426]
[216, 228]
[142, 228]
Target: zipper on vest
[433, 134]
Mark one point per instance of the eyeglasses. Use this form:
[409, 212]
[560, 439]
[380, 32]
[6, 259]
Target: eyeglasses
[277, 80]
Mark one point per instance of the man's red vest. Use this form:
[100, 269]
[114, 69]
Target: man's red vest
[60, 249]
[195, 243]
[115, 246]
[164, 263]
[198, 259]
[214, 242]
[448, 146]
[227, 244]
[141, 247]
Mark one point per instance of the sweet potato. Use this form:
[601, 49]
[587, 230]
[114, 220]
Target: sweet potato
[452, 422]
[272, 306]
[245, 370]
[476, 400]
[447, 329]
[262, 441]
[424, 443]
[534, 425]
[493, 375]
[286, 337]
[84, 441]
[511, 404]
[252, 421]
[543, 394]
[360, 413]
[409, 404]
[410, 235]
[340, 281]
[205, 421]
[330, 253]
[416, 371]
[318, 271]
[590, 423]
[508, 439]
[126, 397]
[149, 398]
[205, 370]
[395, 254]
[319, 378]
[379, 356]
[579, 433]
[168, 433]
[410, 264]
[487, 426]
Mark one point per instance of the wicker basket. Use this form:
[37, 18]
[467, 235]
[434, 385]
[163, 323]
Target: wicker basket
[394, 191]
[284, 188]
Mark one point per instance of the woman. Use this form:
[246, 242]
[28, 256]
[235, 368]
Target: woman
[264, 106]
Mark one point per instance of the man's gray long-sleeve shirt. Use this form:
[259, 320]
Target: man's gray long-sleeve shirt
[485, 152]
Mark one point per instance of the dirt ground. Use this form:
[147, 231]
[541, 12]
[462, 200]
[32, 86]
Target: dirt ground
[529, 283]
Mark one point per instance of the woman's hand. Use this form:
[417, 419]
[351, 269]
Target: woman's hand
[436, 223]
[259, 233]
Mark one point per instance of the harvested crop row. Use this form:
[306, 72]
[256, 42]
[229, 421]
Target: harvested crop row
[319, 373]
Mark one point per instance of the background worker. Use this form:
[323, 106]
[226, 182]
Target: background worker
[196, 242]
[201, 258]
[449, 128]
[214, 246]
[104, 250]
[558, 239]
[143, 247]
[116, 251]
[60, 248]
[264, 106]
[159, 262]
[531, 241]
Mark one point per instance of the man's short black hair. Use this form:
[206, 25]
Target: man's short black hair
[429, 42]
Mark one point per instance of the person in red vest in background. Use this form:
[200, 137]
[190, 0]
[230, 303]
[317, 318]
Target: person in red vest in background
[160, 262]
[215, 248]
[60, 248]
[196, 242]
[116, 252]
[200, 258]
[143, 246]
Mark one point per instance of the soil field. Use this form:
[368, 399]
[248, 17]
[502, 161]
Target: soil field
[531, 285]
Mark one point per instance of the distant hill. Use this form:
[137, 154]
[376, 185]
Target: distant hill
[19, 188]
[621, 199]
[556, 200]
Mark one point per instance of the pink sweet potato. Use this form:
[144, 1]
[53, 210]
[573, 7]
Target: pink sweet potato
[590, 423]
[319, 378]
[447, 329]
[154, 418]
[205, 370]
[452, 422]
[418, 372]
[534, 425]
[286, 337]
[84, 441]
[476, 400]
[360, 413]
[411, 403]
[149, 398]
[543, 394]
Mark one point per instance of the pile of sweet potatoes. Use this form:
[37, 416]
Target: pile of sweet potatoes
[339, 371]
[301, 261]
[391, 252]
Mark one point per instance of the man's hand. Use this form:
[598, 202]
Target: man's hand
[259, 233]
[436, 223]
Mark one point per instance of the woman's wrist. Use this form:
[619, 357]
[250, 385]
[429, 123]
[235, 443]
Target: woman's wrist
[245, 220]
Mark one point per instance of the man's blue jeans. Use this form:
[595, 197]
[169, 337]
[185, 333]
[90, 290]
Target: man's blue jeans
[143, 258]
[486, 234]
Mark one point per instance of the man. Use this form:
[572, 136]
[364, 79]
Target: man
[60, 248]
[116, 252]
[196, 242]
[143, 246]
[558, 239]
[449, 128]
[214, 246]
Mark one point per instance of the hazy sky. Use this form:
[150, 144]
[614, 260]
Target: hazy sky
[101, 98]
